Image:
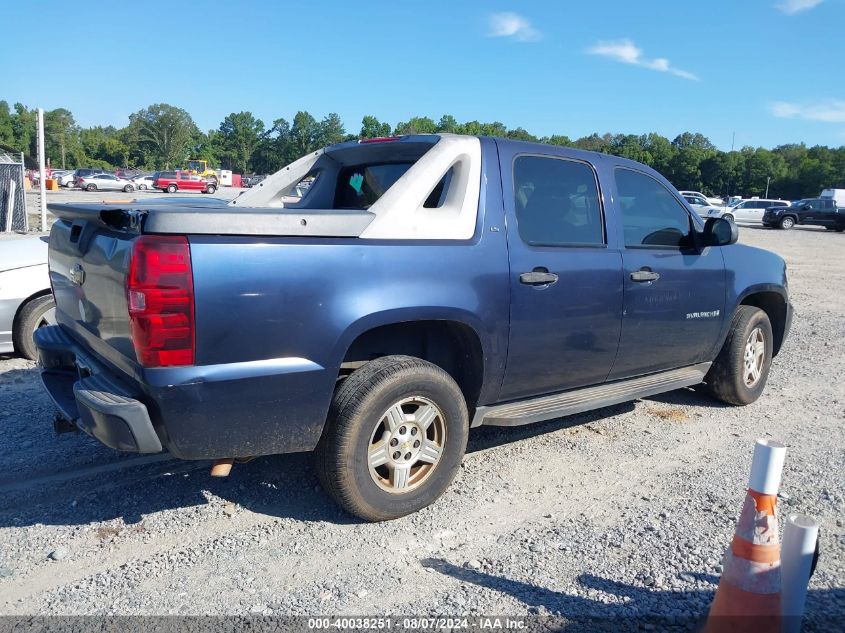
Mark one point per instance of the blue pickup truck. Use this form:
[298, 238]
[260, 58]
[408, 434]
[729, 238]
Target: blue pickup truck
[373, 301]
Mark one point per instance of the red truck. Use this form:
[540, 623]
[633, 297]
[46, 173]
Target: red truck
[173, 181]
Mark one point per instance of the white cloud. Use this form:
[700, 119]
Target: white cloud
[514, 26]
[626, 52]
[827, 111]
[791, 7]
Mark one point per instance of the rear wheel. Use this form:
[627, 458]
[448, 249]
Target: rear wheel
[739, 373]
[142, 187]
[394, 440]
[728, 217]
[171, 188]
[787, 222]
[211, 188]
[128, 189]
[34, 314]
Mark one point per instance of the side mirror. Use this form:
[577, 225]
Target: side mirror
[806, 207]
[720, 232]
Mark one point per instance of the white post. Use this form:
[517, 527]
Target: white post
[766, 467]
[42, 185]
[799, 547]
[23, 190]
[10, 205]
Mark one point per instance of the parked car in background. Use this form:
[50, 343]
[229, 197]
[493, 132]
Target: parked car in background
[173, 181]
[67, 179]
[838, 196]
[751, 211]
[84, 173]
[810, 211]
[253, 180]
[127, 174]
[105, 182]
[145, 181]
[703, 208]
[26, 302]
[714, 201]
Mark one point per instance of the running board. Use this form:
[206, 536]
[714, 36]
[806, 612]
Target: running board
[587, 399]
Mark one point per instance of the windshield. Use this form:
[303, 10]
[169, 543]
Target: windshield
[798, 203]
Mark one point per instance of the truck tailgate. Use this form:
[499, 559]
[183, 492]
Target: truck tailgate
[88, 263]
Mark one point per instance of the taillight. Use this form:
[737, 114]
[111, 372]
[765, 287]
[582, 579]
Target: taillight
[160, 293]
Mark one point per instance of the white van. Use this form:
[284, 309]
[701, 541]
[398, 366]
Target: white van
[838, 196]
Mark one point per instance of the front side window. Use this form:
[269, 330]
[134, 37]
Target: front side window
[651, 215]
[557, 202]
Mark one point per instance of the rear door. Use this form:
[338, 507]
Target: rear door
[674, 301]
[566, 283]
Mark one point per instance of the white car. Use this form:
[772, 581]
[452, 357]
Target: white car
[26, 302]
[143, 182]
[703, 208]
[715, 202]
[104, 182]
[751, 211]
[66, 180]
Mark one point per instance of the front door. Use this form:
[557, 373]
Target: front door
[566, 284]
[674, 293]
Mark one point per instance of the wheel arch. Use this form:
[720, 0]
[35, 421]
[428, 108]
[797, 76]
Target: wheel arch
[452, 344]
[775, 305]
[45, 292]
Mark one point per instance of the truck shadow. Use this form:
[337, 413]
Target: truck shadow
[62, 482]
[628, 607]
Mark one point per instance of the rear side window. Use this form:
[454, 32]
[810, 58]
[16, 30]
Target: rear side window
[557, 202]
[651, 215]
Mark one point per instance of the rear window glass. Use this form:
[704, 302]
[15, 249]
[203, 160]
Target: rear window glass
[360, 186]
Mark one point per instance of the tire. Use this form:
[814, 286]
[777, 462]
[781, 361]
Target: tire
[786, 222]
[32, 315]
[171, 188]
[728, 378]
[142, 187]
[91, 187]
[728, 217]
[210, 189]
[128, 189]
[359, 421]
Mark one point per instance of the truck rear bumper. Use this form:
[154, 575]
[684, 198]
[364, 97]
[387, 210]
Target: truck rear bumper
[90, 397]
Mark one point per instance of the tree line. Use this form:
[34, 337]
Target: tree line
[163, 136]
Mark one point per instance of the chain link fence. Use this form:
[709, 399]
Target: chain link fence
[12, 194]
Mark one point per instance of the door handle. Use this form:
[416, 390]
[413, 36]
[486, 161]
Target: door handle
[537, 278]
[644, 275]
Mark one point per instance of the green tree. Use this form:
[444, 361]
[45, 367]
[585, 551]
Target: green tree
[7, 131]
[371, 127]
[416, 125]
[165, 132]
[60, 135]
[331, 130]
[239, 136]
[304, 135]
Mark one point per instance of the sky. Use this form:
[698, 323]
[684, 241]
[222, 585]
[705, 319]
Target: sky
[770, 71]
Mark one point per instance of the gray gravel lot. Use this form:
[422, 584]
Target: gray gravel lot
[620, 512]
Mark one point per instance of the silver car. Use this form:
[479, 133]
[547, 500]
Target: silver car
[104, 182]
[26, 302]
[704, 208]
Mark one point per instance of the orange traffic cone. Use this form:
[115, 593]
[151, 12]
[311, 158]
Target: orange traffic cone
[748, 597]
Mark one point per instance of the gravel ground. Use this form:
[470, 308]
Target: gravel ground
[620, 512]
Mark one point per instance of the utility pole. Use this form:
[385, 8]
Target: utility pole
[768, 180]
[730, 170]
[42, 173]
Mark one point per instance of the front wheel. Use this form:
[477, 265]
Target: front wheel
[787, 223]
[91, 187]
[210, 189]
[739, 373]
[142, 187]
[128, 189]
[171, 188]
[728, 217]
[394, 440]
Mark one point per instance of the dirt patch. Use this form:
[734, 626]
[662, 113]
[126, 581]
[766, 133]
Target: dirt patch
[670, 414]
